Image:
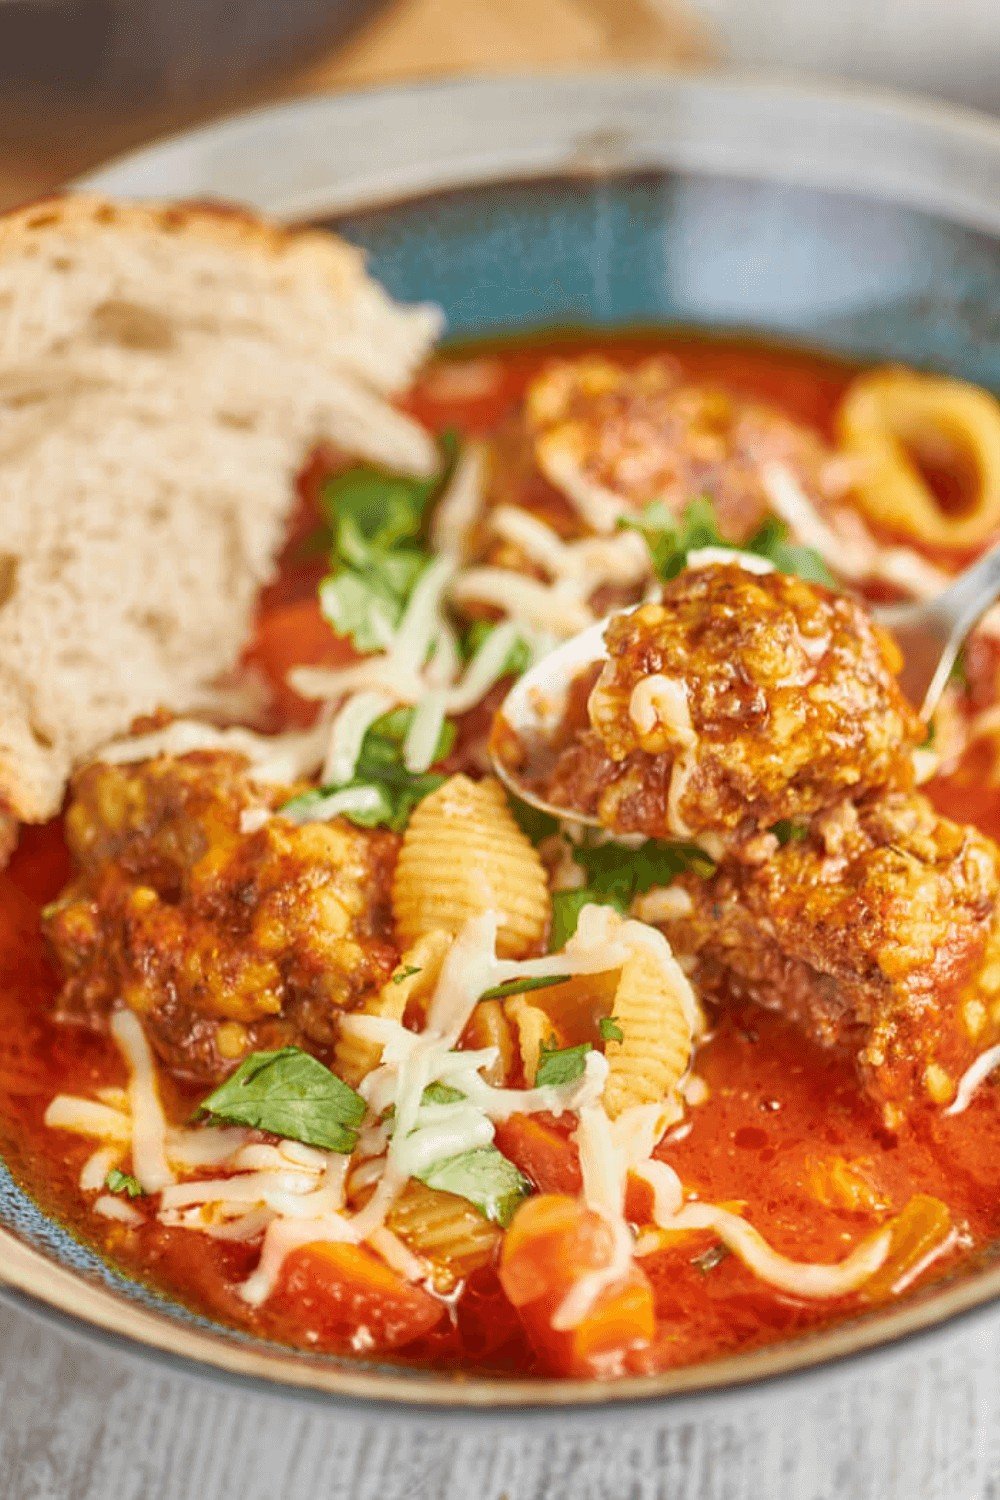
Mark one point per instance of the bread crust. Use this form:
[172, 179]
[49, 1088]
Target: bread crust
[227, 226]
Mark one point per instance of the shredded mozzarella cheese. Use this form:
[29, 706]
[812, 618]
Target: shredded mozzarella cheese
[149, 1125]
[111, 1207]
[279, 757]
[972, 1080]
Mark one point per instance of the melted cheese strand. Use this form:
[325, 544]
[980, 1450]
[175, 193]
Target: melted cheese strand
[810, 1280]
[458, 508]
[111, 1207]
[96, 1168]
[972, 1080]
[88, 1117]
[149, 1125]
[347, 734]
[277, 758]
[425, 731]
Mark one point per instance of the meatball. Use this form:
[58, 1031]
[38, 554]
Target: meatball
[738, 701]
[611, 437]
[223, 940]
[873, 932]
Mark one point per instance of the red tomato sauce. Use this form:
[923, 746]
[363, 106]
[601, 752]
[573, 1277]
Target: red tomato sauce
[779, 1116]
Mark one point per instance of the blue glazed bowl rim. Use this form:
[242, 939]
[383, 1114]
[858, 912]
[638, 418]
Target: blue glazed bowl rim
[328, 155]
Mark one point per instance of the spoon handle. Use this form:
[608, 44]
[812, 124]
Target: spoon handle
[932, 635]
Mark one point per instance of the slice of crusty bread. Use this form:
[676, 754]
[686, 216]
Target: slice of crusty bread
[163, 372]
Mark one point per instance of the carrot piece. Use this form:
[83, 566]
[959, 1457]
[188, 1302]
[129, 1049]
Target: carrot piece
[543, 1153]
[344, 1293]
[552, 1243]
[916, 1235]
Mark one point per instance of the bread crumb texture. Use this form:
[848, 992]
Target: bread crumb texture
[164, 371]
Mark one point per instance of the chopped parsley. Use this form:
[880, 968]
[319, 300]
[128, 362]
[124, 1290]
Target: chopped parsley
[533, 823]
[124, 1183]
[671, 538]
[518, 658]
[610, 1029]
[290, 1094]
[376, 521]
[616, 875]
[788, 832]
[560, 1065]
[566, 909]
[406, 972]
[771, 541]
[441, 1093]
[523, 986]
[484, 1177]
[380, 770]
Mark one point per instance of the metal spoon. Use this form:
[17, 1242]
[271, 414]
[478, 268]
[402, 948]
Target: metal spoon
[932, 632]
[930, 635]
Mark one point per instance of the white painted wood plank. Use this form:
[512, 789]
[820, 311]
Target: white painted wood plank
[79, 1423]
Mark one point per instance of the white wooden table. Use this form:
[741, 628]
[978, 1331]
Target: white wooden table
[80, 1423]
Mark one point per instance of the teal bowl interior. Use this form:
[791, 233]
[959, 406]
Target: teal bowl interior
[861, 278]
[521, 247]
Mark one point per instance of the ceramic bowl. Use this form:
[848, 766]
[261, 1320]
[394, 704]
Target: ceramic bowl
[864, 225]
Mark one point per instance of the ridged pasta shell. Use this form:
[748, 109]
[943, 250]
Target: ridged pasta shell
[462, 855]
[354, 1056]
[653, 1055]
[445, 1230]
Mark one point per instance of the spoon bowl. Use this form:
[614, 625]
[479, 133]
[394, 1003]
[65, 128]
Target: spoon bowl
[929, 632]
[534, 707]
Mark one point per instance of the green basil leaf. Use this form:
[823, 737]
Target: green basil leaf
[385, 739]
[290, 1094]
[610, 1029]
[485, 1178]
[380, 770]
[376, 523]
[124, 1182]
[557, 1065]
[523, 986]
[323, 803]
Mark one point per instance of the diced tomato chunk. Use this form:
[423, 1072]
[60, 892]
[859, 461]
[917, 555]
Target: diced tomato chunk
[543, 1152]
[295, 635]
[346, 1295]
[553, 1242]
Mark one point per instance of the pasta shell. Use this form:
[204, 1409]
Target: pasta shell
[462, 855]
[534, 1029]
[653, 1055]
[901, 426]
[444, 1230]
[416, 975]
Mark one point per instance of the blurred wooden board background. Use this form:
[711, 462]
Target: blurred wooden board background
[44, 142]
